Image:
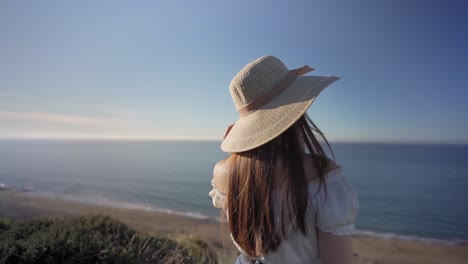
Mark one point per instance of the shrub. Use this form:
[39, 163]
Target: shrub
[198, 249]
[92, 239]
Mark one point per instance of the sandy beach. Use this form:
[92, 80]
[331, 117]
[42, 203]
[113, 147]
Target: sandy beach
[367, 249]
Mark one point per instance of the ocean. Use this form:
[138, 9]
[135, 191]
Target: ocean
[406, 191]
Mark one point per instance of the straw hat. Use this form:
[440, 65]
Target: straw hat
[269, 98]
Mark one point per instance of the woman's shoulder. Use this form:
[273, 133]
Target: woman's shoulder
[311, 170]
[221, 174]
[335, 203]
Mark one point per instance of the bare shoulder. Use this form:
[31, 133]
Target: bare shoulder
[221, 175]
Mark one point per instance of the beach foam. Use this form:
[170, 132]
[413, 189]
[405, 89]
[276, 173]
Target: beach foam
[393, 236]
[103, 201]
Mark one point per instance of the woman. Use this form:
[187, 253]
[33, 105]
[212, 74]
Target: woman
[285, 200]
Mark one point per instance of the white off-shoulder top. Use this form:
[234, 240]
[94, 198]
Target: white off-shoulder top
[334, 212]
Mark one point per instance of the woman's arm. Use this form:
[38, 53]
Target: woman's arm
[334, 249]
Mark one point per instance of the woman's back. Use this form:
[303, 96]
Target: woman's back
[333, 211]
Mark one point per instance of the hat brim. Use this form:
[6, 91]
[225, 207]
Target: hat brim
[275, 117]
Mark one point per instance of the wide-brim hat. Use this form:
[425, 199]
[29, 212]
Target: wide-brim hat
[270, 99]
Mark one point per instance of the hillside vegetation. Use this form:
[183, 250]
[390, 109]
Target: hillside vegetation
[93, 239]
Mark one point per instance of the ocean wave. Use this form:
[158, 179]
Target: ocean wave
[96, 200]
[6, 187]
[3, 186]
[393, 236]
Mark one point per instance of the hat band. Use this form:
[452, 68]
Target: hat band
[273, 92]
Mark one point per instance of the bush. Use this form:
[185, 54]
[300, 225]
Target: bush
[92, 239]
[198, 249]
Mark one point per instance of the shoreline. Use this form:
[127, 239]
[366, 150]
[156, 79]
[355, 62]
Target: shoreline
[367, 248]
[99, 201]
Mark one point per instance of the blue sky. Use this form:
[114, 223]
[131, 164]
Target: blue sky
[161, 69]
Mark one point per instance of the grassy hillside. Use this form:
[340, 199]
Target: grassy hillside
[93, 239]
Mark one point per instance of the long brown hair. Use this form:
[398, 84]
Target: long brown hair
[252, 185]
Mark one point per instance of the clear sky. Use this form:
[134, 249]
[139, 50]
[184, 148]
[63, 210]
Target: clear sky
[161, 69]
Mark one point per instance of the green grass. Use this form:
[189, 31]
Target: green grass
[94, 239]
